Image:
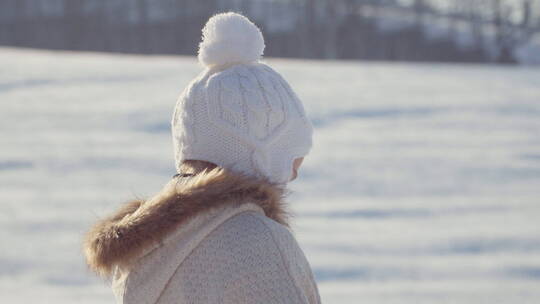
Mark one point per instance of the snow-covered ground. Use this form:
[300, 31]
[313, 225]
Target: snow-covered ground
[423, 185]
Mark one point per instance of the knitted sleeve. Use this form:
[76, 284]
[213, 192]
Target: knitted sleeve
[244, 261]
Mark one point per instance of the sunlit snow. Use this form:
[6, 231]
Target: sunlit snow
[423, 185]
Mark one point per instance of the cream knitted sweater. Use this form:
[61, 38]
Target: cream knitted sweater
[231, 251]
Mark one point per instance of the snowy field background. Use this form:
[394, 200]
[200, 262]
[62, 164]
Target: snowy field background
[423, 185]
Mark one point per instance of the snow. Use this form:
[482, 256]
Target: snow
[422, 187]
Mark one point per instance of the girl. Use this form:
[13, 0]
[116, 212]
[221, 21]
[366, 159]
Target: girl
[218, 231]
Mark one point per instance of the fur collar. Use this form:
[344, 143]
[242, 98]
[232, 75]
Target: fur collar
[123, 237]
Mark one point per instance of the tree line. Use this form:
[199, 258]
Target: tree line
[414, 30]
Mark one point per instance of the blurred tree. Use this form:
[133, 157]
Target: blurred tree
[143, 26]
[513, 27]
[73, 23]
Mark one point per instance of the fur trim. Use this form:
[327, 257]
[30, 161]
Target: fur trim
[123, 237]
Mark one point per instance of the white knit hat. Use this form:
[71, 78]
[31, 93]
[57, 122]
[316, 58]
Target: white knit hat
[239, 113]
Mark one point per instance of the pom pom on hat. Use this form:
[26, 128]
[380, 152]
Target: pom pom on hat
[230, 38]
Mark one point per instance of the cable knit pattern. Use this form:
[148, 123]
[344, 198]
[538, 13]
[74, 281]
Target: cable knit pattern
[240, 115]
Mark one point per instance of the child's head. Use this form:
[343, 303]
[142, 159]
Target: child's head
[239, 113]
